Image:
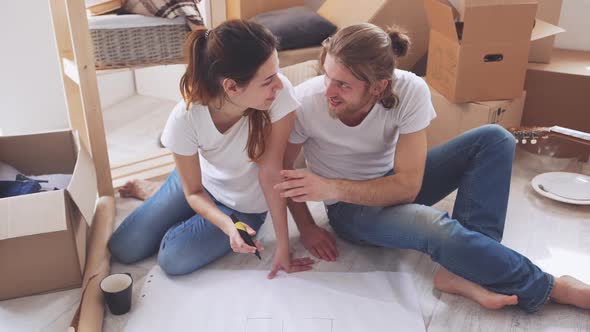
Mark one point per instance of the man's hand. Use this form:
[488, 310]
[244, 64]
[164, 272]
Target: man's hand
[283, 260]
[319, 242]
[302, 186]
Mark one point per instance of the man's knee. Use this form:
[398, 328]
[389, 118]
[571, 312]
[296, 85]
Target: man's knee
[496, 134]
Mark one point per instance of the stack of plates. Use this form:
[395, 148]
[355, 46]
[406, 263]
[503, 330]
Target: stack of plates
[565, 187]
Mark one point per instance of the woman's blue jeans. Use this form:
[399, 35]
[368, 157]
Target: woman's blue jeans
[167, 225]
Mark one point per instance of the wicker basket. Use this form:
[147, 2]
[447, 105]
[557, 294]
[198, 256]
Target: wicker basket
[123, 41]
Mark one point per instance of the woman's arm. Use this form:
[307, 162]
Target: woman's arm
[270, 166]
[189, 170]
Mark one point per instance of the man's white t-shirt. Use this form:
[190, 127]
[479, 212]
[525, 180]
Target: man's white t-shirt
[366, 151]
[226, 171]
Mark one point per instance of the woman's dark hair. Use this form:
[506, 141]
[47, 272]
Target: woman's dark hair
[235, 49]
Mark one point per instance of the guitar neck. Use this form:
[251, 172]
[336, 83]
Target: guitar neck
[570, 134]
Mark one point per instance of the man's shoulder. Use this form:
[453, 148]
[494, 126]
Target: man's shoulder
[404, 78]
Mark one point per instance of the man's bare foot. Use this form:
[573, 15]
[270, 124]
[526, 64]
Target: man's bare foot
[569, 290]
[448, 282]
[140, 189]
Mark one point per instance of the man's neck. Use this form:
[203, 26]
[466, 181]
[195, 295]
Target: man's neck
[357, 117]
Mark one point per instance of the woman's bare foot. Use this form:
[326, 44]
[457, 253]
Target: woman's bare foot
[448, 282]
[569, 290]
[140, 189]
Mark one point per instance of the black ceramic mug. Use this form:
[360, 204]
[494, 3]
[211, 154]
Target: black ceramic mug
[116, 290]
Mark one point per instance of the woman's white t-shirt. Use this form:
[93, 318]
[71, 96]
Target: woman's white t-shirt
[226, 171]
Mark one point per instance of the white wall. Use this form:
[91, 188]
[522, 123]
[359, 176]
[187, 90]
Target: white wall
[31, 90]
[574, 19]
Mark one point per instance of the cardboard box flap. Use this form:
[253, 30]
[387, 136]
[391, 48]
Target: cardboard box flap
[38, 153]
[33, 214]
[83, 188]
[347, 12]
[499, 23]
[440, 18]
[543, 29]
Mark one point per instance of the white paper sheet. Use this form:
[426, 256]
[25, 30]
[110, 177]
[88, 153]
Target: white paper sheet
[238, 300]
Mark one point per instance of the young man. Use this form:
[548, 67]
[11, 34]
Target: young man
[362, 125]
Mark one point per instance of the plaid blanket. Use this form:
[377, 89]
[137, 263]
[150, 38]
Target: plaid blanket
[167, 9]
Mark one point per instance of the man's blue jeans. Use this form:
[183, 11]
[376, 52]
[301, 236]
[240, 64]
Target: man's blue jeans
[167, 225]
[479, 164]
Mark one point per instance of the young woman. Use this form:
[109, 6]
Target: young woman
[228, 137]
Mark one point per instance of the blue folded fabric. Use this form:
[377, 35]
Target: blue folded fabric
[18, 187]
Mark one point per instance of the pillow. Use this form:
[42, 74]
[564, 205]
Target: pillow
[301, 72]
[296, 27]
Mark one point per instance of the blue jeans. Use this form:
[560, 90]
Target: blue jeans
[479, 164]
[167, 225]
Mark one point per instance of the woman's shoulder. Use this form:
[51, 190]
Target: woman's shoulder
[181, 112]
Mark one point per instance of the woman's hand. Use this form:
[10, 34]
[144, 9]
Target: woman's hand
[238, 244]
[283, 260]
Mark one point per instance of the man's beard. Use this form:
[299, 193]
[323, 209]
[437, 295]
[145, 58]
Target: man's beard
[349, 109]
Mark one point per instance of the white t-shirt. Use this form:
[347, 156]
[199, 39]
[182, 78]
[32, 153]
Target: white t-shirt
[366, 151]
[226, 171]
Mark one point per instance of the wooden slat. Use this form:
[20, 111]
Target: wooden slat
[158, 173]
[72, 90]
[88, 89]
[142, 165]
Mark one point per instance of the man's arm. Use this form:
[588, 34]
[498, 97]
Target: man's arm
[400, 188]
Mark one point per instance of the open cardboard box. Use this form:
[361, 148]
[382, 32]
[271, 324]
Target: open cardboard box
[548, 11]
[485, 56]
[43, 235]
[453, 119]
[408, 14]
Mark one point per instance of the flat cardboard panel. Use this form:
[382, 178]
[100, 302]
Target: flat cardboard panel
[499, 23]
[409, 15]
[32, 214]
[83, 186]
[440, 18]
[558, 94]
[247, 9]
[443, 58]
[347, 12]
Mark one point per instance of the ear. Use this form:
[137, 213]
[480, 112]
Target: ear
[378, 87]
[230, 87]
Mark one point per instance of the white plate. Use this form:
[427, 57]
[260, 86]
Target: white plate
[565, 187]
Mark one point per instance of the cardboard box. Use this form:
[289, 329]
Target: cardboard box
[453, 119]
[484, 57]
[548, 11]
[558, 94]
[43, 235]
[408, 14]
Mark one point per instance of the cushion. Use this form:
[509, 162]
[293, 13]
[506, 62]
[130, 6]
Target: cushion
[296, 27]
